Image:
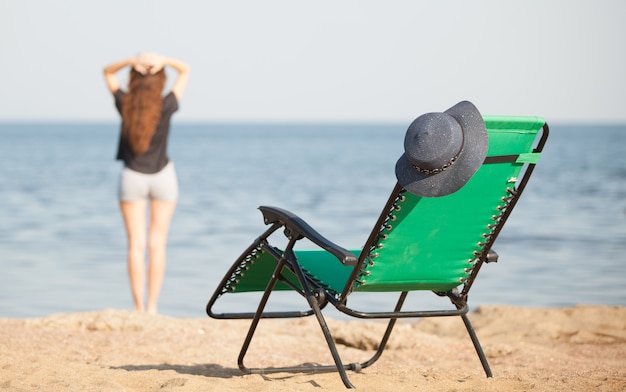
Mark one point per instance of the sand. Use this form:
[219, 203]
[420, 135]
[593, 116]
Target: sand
[581, 348]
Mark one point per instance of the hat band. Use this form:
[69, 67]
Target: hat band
[439, 169]
[445, 166]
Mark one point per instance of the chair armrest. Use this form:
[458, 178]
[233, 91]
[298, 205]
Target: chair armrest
[296, 228]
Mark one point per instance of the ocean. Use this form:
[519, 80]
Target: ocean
[62, 240]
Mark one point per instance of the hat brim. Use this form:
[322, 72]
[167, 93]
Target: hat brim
[470, 159]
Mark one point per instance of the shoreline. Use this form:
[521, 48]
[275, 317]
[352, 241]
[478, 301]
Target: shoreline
[576, 348]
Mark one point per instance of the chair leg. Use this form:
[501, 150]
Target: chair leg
[329, 340]
[479, 349]
[257, 318]
[385, 339]
[314, 304]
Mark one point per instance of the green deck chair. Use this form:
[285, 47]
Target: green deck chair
[417, 244]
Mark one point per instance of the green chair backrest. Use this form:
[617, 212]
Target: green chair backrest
[433, 243]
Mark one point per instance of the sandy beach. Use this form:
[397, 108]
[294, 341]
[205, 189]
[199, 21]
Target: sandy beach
[580, 348]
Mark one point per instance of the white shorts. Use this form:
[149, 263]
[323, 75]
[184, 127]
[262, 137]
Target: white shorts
[158, 186]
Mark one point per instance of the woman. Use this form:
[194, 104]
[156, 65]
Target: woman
[148, 173]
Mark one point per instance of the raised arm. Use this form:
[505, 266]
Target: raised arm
[178, 88]
[110, 70]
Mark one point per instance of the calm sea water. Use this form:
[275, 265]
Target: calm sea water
[62, 242]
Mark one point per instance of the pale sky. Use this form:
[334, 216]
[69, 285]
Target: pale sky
[323, 60]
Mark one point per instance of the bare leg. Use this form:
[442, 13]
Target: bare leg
[134, 213]
[160, 218]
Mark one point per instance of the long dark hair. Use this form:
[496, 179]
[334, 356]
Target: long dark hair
[141, 109]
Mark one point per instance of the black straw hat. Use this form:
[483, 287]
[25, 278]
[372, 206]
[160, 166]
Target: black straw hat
[442, 151]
